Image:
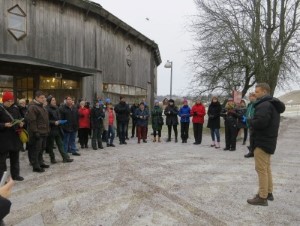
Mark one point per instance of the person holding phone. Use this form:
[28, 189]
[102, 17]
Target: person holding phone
[5, 204]
[9, 137]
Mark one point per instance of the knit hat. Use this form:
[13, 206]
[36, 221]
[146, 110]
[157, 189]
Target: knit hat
[49, 98]
[7, 95]
[185, 100]
[156, 101]
[107, 100]
[171, 100]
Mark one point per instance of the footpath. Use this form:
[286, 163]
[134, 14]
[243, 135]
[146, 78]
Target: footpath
[160, 184]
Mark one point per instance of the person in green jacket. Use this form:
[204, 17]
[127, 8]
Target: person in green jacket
[157, 120]
[249, 115]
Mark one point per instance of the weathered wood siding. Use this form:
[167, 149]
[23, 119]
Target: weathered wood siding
[69, 38]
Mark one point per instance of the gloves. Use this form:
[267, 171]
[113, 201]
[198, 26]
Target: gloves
[195, 113]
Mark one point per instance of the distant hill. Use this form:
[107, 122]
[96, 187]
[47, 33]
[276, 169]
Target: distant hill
[292, 97]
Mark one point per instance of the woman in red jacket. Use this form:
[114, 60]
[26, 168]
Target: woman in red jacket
[198, 113]
[84, 124]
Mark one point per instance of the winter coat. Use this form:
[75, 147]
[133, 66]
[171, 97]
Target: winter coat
[71, 115]
[171, 111]
[9, 138]
[97, 118]
[122, 111]
[198, 112]
[37, 119]
[156, 115]
[132, 111]
[265, 123]
[84, 115]
[53, 114]
[214, 112]
[141, 117]
[250, 112]
[185, 113]
[106, 119]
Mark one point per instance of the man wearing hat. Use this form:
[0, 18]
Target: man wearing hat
[9, 138]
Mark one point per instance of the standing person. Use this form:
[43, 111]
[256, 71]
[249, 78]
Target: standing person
[214, 113]
[142, 116]
[198, 112]
[84, 114]
[157, 121]
[38, 129]
[23, 110]
[10, 143]
[132, 114]
[171, 111]
[265, 125]
[185, 115]
[122, 110]
[249, 115]
[5, 204]
[56, 133]
[230, 117]
[70, 113]
[97, 116]
[241, 124]
[110, 125]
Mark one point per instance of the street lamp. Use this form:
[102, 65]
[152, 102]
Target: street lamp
[169, 64]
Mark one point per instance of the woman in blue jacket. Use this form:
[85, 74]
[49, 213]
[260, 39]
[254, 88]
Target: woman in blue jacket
[185, 113]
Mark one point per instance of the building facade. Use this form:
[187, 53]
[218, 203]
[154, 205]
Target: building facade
[74, 47]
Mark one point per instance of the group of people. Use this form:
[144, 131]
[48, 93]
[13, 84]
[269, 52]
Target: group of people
[47, 123]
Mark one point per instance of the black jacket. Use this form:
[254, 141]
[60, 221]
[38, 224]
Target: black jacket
[265, 123]
[4, 207]
[171, 111]
[71, 115]
[122, 110]
[9, 138]
[214, 112]
[53, 113]
[97, 116]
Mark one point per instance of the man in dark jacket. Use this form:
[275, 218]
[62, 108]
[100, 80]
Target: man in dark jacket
[55, 132]
[171, 111]
[133, 118]
[69, 112]
[97, 116]
[122, 110]
[265, 125]
[38, 129]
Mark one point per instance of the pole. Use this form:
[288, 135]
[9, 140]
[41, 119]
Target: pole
[171, 79]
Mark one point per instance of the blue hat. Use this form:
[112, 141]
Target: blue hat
[107, 100]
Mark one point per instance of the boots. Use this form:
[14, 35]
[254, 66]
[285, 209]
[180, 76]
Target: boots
[53, 161]
[100, 145]
[217, 145]
[154, 139]
[176, 140]
[213, 144]
[158, 140]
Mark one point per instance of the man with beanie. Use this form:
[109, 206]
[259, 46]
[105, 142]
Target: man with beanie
[9, 138]
[56, 133]
[198, 112]
[171, 111]
[122, 111]
[265, 125]
[38, 129]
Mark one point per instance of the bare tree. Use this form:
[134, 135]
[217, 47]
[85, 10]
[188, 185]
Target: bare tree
[241, 42]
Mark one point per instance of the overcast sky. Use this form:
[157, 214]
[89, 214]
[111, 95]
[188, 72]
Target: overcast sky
[166, 26]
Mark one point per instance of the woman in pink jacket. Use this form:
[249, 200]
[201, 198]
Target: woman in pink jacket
[84, 114]
[198, 113]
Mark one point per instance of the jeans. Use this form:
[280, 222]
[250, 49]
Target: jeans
[97, 137]
[122, 131]
[69, 141]
[215, 133]
[110, 135]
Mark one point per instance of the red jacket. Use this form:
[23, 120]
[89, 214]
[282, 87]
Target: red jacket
[198, 113]
[84, 117]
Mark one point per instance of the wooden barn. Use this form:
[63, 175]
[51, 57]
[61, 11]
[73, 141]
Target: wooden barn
[74, 47]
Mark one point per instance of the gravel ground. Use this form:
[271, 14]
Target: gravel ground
[160, 184]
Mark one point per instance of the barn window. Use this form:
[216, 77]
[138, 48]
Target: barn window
[16, 19]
